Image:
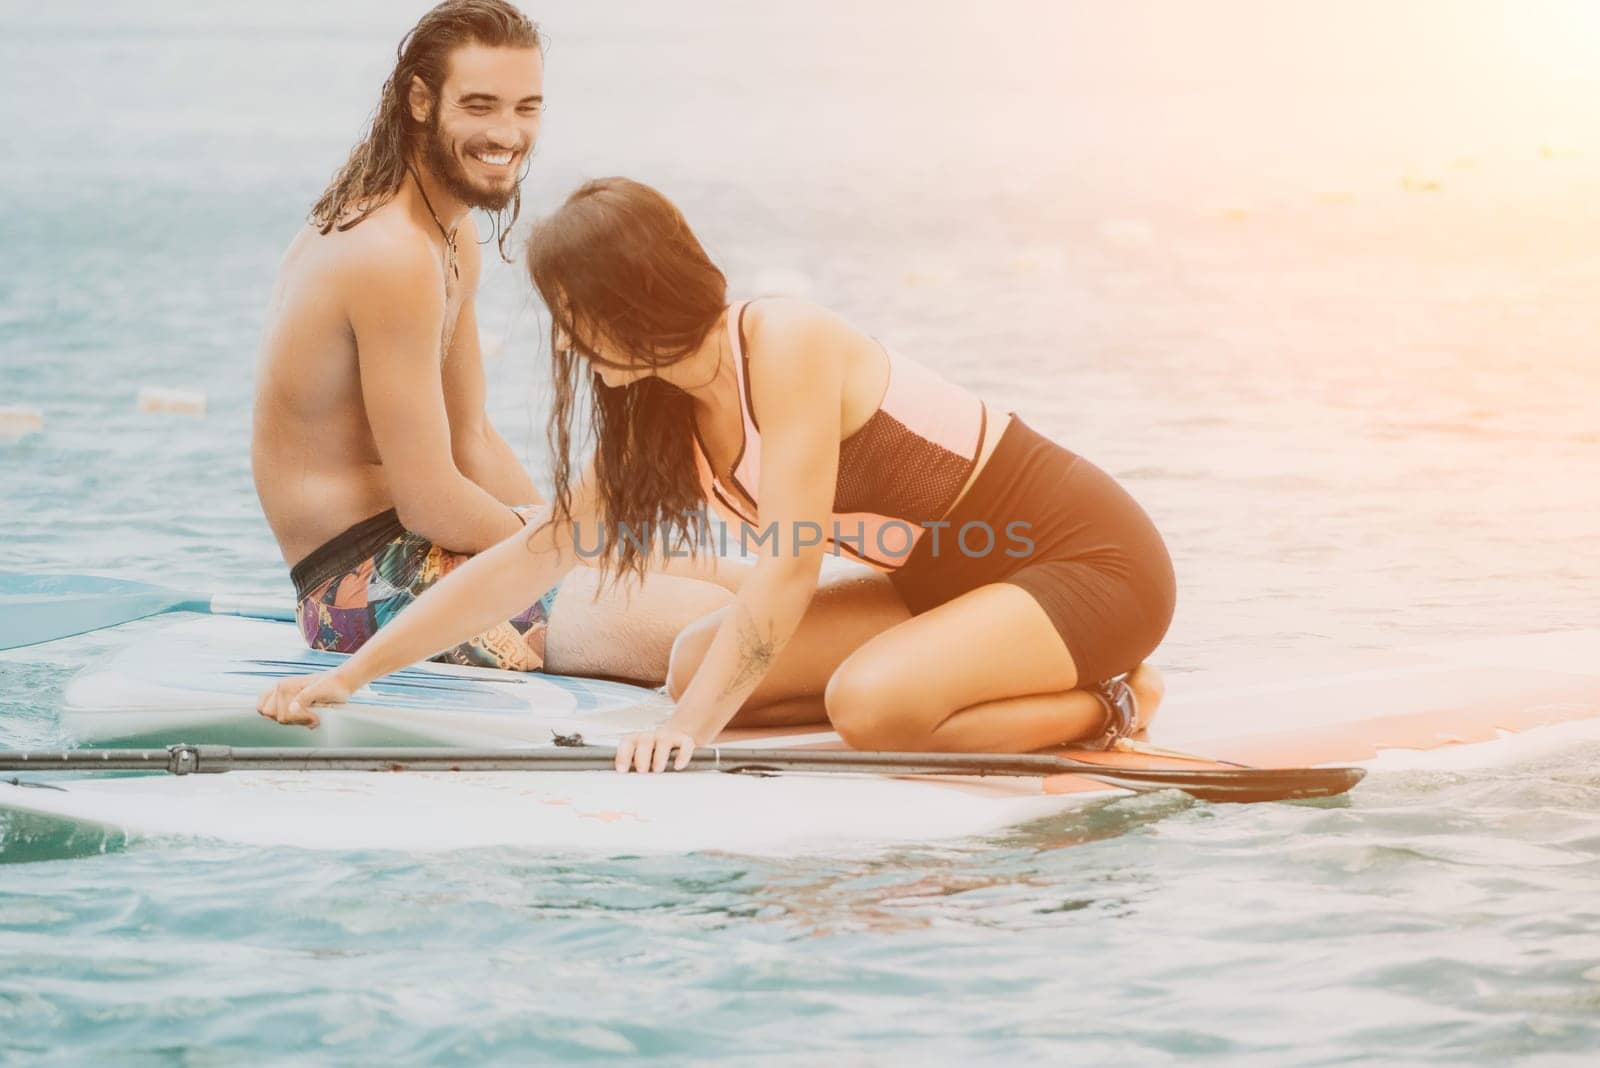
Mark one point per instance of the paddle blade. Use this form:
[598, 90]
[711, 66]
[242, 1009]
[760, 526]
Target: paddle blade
[1237, 785]
[42, 608]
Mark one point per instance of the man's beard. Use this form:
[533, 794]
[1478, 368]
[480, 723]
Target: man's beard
[439, 155]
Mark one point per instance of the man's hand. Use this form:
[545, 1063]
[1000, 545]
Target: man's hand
[294, 700]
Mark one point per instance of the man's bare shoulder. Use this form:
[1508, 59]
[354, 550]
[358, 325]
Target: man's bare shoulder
[378, 257]
[382, 252]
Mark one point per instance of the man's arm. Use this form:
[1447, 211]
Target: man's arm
[397, 313]
[481, 454]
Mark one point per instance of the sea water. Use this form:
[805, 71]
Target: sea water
[1316, 282]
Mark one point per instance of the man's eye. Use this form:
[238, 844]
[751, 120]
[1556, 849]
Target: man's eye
[478, 109]
[531, 109]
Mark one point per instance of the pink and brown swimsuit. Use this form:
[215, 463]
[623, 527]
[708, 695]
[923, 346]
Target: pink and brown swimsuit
[1037, 516]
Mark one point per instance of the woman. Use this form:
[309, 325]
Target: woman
[1025, 581]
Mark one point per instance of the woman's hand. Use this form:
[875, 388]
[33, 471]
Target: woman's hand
[649, 751]
[295, 700]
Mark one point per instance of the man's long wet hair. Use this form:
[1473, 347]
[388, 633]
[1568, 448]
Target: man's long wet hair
[618, 261]
[377, 166]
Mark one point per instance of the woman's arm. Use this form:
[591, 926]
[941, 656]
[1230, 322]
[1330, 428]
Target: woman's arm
[485, 591]
[797, 385]
[482, 593]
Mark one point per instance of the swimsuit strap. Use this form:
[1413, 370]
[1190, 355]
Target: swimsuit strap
[748, 462]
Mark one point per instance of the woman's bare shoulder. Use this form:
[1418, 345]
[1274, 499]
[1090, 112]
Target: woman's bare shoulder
[791, 324]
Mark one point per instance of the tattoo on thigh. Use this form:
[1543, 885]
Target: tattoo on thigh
[756, 652]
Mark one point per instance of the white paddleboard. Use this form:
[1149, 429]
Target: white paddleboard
[1456, 705]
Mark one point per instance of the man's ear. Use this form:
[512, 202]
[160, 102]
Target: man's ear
[419, 99]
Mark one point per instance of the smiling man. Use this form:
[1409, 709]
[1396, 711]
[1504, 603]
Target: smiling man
[374, 459]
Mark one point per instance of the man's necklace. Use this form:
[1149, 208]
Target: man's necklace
[449, 235]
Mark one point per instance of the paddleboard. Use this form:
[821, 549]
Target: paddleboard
[198, 681]
[1454, 705]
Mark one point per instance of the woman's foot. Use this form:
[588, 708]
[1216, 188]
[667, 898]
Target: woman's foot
[1149, 686]
[1130, 703]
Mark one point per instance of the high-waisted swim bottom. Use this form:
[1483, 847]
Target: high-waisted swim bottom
[1096, 563]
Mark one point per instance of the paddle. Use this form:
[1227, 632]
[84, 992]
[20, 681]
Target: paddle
[1230, 784]
[42, 608]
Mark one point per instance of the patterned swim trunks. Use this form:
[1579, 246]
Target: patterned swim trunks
[350, 587]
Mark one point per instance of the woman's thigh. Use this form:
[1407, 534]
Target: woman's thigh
[845, 612]
[989, 644]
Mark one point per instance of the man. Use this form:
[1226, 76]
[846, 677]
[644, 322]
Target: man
[373, 457]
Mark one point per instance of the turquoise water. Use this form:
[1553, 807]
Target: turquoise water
[1318, 288]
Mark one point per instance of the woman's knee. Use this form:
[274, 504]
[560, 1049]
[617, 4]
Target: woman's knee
[868, 705]
[688, 650]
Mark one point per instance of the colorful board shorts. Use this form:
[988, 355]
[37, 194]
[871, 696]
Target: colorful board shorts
[348, 588]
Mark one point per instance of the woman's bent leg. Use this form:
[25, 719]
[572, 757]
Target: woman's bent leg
[985, 672]
[844, 614]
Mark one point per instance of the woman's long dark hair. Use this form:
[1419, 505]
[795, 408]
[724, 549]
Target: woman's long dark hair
[618, 262]
[377, 166]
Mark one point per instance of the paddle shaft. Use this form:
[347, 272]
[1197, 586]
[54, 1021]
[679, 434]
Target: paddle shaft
[1230, 784]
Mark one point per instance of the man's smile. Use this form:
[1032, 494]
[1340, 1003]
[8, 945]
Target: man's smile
[498, 159]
